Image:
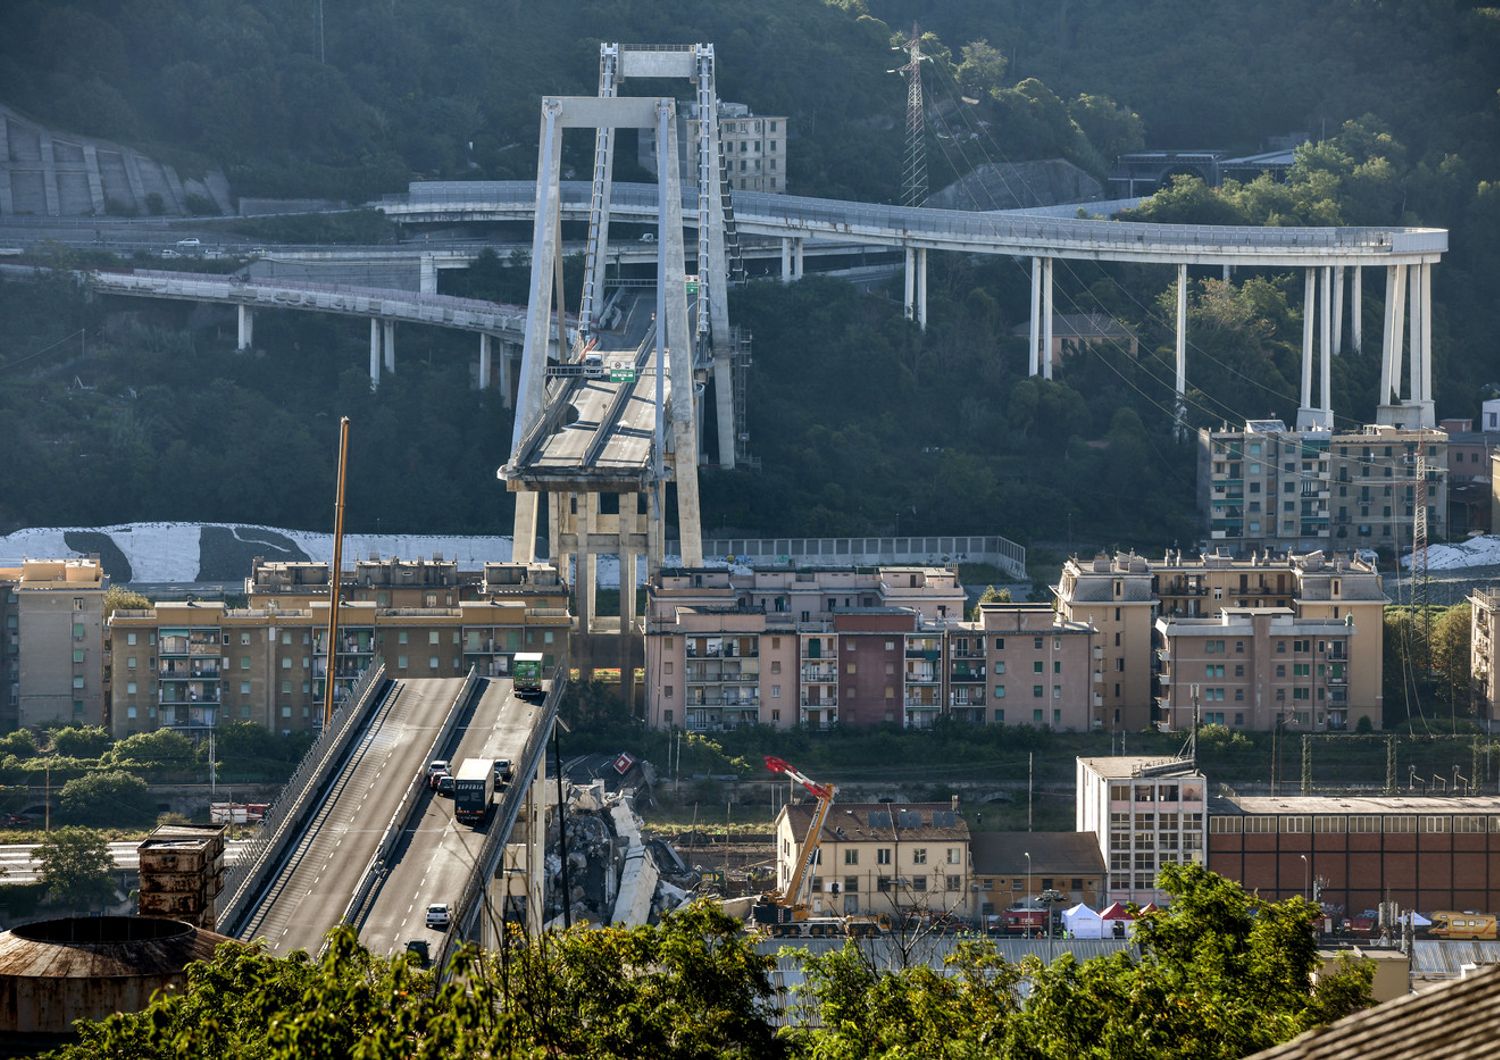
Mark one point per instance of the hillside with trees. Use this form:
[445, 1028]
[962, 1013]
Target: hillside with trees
[864, 423]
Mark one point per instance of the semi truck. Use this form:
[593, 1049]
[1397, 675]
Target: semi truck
[526, 672]
[473, 788]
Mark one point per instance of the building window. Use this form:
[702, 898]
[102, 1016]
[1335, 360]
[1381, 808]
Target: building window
[667, 692]
[1036, 691]
[883, 855]
[919, 856]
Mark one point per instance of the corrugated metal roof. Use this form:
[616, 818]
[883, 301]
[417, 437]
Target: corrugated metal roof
[1459, 1020]
[1445, 958]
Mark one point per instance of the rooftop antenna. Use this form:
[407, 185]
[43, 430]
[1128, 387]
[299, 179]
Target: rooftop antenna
[914, 162]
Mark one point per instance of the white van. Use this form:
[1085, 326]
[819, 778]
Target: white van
[190, 242]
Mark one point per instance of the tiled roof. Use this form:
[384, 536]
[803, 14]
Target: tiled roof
[1458, 1020]
[1052, 853]
[869, 822]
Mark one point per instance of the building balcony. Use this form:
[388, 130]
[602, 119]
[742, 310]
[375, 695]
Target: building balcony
[966, 673]
[725, 701]
[930, 654]
[198, 670]
[828, 674]
[967, 653]
[175, 695]
[189, 718]
[728, 651]
[965, 701]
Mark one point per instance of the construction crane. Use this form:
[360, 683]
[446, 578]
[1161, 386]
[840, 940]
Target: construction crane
[785, 907]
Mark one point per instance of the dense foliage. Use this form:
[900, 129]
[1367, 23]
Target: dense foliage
[864, 424]
[1218, 974]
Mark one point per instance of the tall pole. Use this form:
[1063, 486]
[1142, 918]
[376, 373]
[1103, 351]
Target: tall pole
[335, 576]
[1027, 853]
[914, 164]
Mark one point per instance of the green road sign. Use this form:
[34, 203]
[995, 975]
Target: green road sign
[622, 375]
[692, 286]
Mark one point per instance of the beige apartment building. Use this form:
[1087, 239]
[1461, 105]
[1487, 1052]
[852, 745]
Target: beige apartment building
[1255, 668]
[753, 147]
[1144, 812]
[785, 647]
[1268, 487]
[1342, 589]
[52, 644]
[1115, 597]
[1483, 607]
[1022, 664]
[192, 666]
[880, 858]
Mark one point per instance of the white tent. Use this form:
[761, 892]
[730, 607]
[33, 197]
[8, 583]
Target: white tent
[1082, 922]
[1416, 918]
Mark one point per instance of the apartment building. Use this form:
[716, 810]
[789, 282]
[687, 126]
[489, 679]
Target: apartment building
[1266, 486]
[1124, 596]
[1022, 664]
[1144, 812]
[784, 647]
[192, 666]
[880, 858]
[753, 147]
[52, 644]
[1484, 605]
[1114, 596]
[1256, 668]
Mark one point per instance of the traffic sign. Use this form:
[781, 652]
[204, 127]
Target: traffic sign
[622, 375]
[692, 285]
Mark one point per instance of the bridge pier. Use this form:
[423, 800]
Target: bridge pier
[1047, 354]
[915, 303]
[922, 288]
[786, 260]
[427, 282]
[1316, 325]
[1407, 283]
[507, 388]
[245, 339]
[1356, 308]
[1338, 309]
[484, 361]
[374, 353]
[390, 345]
[1033, 360]
[1180, 350]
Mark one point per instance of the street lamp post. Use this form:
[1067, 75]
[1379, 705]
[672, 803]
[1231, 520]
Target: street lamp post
[1306, 877]
[1027, 853]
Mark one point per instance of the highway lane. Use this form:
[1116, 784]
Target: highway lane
[18, 860]
[326, 867]
[437, 853]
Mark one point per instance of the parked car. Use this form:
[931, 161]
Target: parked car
[419, 947]
[648, 237]
[445, 784]
[593, 365]
[438, 916]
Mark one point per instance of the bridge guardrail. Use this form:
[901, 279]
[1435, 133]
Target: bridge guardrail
[241, 879]
[470, 902]
[354, 912]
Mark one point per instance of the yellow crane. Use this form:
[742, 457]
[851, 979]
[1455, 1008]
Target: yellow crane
[784, 907]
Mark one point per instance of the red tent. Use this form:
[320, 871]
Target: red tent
[1116, 912]
[1150, 907]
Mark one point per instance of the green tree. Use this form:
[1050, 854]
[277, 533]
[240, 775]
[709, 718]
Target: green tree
[980, 70]
[991, 595]
[77, 868]
[117, 597]
[81, 741]
[157, 748]
[21, 743]
[109, 797]
[1451, 662]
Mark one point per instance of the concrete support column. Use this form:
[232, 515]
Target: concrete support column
[1046, 318]
[484, 361]
[507, 389]
[629, 575]
[246, 332]
[1338, 309]
[427, 283]
[523, 547]
[1180, 386]
[586, 589]
[1356, 309]
[1228, 272]
[1033, 362]
[911, 283]
[922, 288]
[1414, 341]
[786, 261]
[536, 848]
[1395, 323]
[1428, 411]
[1309, 312]
[724, 406]
[798, 248]
[374, 353]
[1325, 345]
[390, 346]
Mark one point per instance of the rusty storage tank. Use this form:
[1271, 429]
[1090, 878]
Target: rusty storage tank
[53, 972]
